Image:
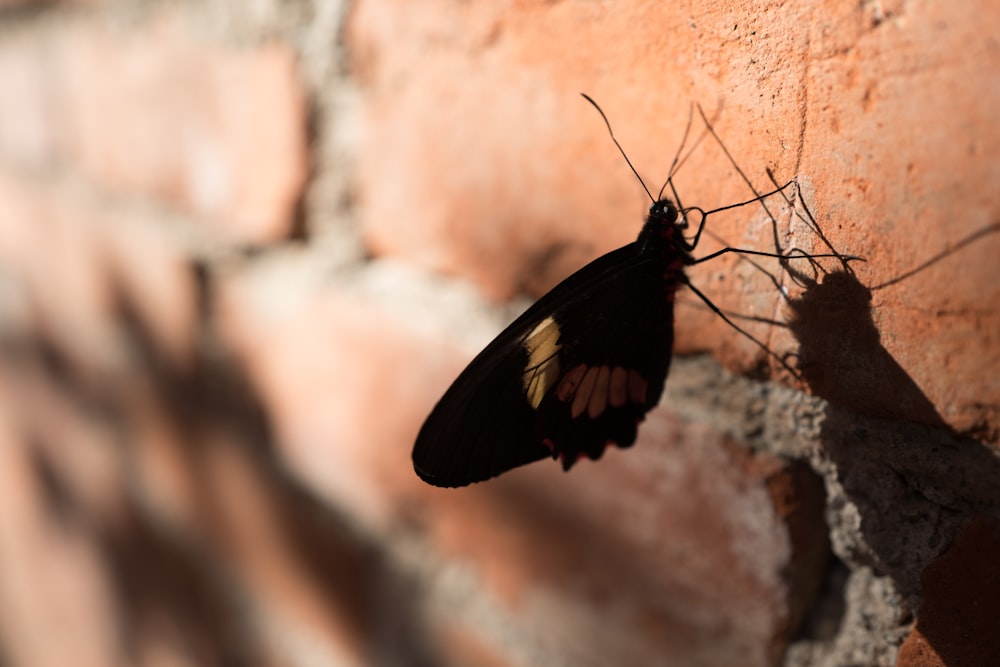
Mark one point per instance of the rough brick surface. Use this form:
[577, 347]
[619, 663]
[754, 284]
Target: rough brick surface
[663, 534]
[883, 114]
[244, 247]
[959, 620]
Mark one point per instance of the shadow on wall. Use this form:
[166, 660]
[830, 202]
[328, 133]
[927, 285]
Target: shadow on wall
[840, 351]
[841, 356]
[914, 488]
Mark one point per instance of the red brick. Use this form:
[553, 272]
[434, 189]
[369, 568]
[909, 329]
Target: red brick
[28, 117]
[959, 618]
[675, 536]
[51, 576]
[77, 262]
[160, 468]
[153, 275]
[461, 646]
[215, 130]
[683, 534]
[50, 244]
[475, 129]
[43, 3]
[347, 377]
[253, 539]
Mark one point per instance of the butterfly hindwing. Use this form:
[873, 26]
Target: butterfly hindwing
[614, 360]
[577, 371]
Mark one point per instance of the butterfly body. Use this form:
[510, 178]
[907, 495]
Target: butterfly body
[575, 373]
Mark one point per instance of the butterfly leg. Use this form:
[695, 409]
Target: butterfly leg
[743, 331]
[761, 253]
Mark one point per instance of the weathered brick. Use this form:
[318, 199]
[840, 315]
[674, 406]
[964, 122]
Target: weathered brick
[153, 278]
[683, 533]
[347, 377]
[52, 572]
[512, 181]
[212, 129]
[478, 159]
[81, 266]
[50, 248]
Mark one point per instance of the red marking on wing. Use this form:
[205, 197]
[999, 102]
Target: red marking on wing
[618, 387]
[582, 397]
[636, 387]
[569, 383]
[599, 396]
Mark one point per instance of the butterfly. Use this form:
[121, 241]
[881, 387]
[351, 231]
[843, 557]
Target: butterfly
[578, 371]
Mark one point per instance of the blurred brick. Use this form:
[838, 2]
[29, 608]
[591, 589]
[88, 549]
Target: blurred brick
[216, 130]
[676, 536]
[140, 488]
[50, 246]
[959, 618]
[202, 476]
[29, 126]
[171, 506]
[458, 646]
[51, 575]
[154, 280]
[346, 377]
[80, 264]
[683, 534]
[256, 541]
[43, 3]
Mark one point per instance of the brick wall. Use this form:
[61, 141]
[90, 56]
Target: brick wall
[244, 247]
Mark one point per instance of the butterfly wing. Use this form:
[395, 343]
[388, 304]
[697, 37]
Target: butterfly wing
[577, 371]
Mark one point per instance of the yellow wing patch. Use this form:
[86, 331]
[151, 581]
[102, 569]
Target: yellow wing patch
[542, 346]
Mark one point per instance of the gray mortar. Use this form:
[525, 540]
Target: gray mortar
[897, 494]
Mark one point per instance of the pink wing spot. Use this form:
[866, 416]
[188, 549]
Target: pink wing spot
[599, 396]
[569, 383]
[618, 387]
[636, 387]
[550, 445]
[583, 392]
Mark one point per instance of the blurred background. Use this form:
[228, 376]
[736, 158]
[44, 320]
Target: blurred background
[245, 247]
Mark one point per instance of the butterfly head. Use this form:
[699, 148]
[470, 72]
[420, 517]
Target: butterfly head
[663, 212]
[662, 227]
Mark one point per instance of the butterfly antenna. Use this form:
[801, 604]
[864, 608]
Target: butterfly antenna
[732, 160]
[676, 164]
[620, 149]
[975, 236]
[809, 220]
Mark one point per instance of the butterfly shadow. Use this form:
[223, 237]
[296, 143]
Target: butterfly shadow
[912, 479]
[841, 357]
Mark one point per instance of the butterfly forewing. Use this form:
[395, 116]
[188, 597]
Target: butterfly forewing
[576, 372]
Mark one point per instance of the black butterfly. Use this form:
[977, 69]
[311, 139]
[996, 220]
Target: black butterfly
[579, 369]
